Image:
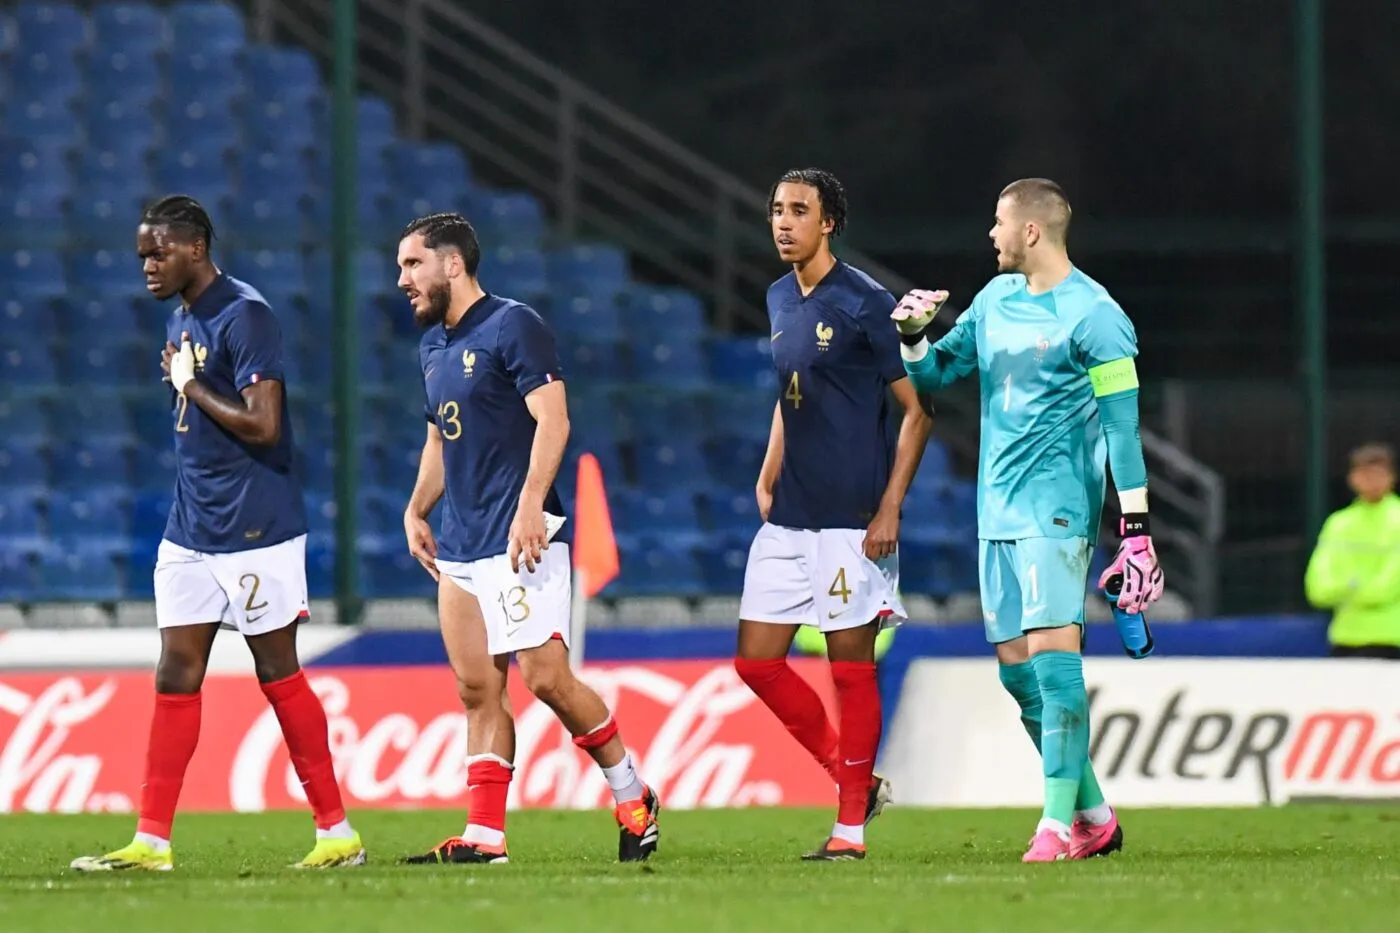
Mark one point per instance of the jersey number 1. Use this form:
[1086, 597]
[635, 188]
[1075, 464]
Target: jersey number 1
[794, 392]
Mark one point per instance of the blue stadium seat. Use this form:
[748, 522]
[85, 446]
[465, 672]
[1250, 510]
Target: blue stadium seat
[273, 175]
[265, 223]
[670, 513]
[429, 176]
[90, 515]
[590, 364]
[375, 272]
[51, 27]
[49, 123]
[19, 579]
[198, 72]
[653, 565]
[585, 313]
[374, 120]
[514, 219]
[514, 271]
[206, 25]
[190, 170]
[272, 71]
[149, 512]
[154, 423]
[745, 414]
[671, 311]
[115, 170]
[107, 274]
[375, 216]
[207, 123]
[675, 363]
[87, 362]
[270, 271]
[26, 320]
[97, 417]
[155, 463]
[108, 219]
[23, 165]
[113, 320]
[285, 124]
[23, 423]
[134, 27]
[735, 512]
[650, 417]
[588, 266]
[23, 363]
[742, 361]
[125, 74]
[676, 463]
[34, 218]
[90, 465]
[20, 516]
[722, 561]
[734, 462]
[397, 576]
[81, 575]
[33, 274]
[23, 465]
[47, 76]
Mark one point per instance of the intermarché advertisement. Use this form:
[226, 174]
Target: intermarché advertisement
[1165, 732]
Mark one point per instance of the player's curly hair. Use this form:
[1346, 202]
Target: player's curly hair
[448, 229]
[183, 215]
[830, 192]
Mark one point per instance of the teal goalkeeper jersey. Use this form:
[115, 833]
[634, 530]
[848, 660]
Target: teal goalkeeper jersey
[1042, 468]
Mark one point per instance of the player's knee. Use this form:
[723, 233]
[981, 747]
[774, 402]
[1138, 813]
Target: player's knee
[548, 681]
[179, 671]
[1061, 678]
[1020, 681]
[477, 693]
[756, 672]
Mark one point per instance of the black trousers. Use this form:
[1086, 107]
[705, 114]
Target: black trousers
[1388, 652]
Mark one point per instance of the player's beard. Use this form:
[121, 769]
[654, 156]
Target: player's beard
[439, 301]
[1013, 258]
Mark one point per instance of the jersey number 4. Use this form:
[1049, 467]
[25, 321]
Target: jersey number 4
[794, 392]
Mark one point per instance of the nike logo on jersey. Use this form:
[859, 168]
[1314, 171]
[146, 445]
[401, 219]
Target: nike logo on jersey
[833, 615]
[775, 336]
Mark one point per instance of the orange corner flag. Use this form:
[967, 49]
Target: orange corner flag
[595, 547]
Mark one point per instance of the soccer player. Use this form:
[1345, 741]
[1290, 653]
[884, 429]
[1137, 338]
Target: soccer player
[829, 492]
[234, 549]
[497, 425]
[1054, 355]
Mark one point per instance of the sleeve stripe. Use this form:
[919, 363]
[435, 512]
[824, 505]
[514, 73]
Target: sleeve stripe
[1114, 377]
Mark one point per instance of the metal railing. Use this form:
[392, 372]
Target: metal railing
[607, 174]
[603, 172]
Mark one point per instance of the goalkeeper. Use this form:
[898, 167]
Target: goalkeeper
[1054, 356]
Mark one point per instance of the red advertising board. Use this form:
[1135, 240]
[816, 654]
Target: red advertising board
[75, 742]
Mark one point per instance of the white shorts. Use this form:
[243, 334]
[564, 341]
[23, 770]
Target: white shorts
[256, 591]
[820, 578]
[522, 610]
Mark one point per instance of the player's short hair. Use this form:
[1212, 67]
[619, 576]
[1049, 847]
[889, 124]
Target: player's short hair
[1374, 454]
[1045, 200]
[831, 194]
[444, 230]
[183, 215]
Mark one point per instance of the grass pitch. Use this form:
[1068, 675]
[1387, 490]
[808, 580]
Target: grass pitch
[1275, 870]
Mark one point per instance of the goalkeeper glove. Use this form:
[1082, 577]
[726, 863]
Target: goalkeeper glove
[915, 312]
[1136, 563]
[182, 364]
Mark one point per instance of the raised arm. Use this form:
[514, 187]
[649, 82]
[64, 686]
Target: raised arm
[939, 365]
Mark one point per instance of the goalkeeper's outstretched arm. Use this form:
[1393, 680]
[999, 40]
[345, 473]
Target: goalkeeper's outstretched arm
[939, 365]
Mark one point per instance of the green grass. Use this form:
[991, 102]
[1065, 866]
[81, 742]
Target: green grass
[1298, 868]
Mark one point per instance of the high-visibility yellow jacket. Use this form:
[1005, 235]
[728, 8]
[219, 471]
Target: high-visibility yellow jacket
[1355, 572]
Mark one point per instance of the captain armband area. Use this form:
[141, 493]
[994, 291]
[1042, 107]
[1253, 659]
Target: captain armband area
[1114, 377]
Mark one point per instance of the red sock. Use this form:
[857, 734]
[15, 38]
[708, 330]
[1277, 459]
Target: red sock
[488, 780]
[303, 722]
[174, 734]
[858, 692]
[796, 705]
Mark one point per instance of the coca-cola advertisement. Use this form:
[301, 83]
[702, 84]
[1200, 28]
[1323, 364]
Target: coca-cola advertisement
[75, 742]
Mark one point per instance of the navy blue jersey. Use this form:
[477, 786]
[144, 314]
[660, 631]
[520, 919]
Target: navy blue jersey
[836, 353]
[475, 379]
[231, 496]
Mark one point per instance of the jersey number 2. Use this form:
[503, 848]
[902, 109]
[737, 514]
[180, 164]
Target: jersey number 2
[794, 392]
[183, 404]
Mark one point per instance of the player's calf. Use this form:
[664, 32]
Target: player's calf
[547, 674]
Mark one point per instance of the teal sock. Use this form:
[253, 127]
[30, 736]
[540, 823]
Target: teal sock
[1064, 748]
[1020, 681]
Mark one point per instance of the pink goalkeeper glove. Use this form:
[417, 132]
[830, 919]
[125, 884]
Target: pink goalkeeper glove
[1136, 562]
